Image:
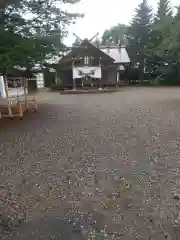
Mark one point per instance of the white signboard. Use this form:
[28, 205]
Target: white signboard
[80, 72]
[16, 92]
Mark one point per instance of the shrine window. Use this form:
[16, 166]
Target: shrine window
[86, 60]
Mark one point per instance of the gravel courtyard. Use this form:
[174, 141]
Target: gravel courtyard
[103, 162]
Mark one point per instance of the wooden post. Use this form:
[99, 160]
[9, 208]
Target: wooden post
[25, 94]
[74, 80]
[117, 78]
[56, 77]
[74, 84]
[86, 80]
[35, 104]
[20, 108]
[100, 79]
[7, 97]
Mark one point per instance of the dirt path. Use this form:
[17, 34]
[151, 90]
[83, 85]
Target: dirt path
[104, 162]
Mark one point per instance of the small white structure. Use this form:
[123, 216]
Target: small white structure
[14, 101]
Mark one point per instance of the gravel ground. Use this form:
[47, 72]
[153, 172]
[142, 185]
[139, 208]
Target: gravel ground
[107, 164]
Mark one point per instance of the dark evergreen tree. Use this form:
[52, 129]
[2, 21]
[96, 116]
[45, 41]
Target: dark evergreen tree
[154, 43]
[157, 50]
[164, 10]
[171, 47]
[138, 34]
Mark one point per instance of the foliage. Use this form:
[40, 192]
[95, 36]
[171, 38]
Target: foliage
[31, 31]
[164, 10]
[158, 48]
[154, 42]
[116, 34]
[138, 36]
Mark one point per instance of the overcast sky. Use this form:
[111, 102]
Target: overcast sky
[102, 14]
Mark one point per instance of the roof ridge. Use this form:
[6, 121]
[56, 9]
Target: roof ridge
[115, 47]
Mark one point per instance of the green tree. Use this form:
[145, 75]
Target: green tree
[158, 51]
[31, 31]
[164, 10]
[169, 51]
[139, 33]
[115, 35]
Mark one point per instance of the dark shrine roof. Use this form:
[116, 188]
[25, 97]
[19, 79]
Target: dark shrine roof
[85, 49]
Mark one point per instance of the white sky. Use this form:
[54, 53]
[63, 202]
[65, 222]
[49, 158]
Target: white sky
[102, 14]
